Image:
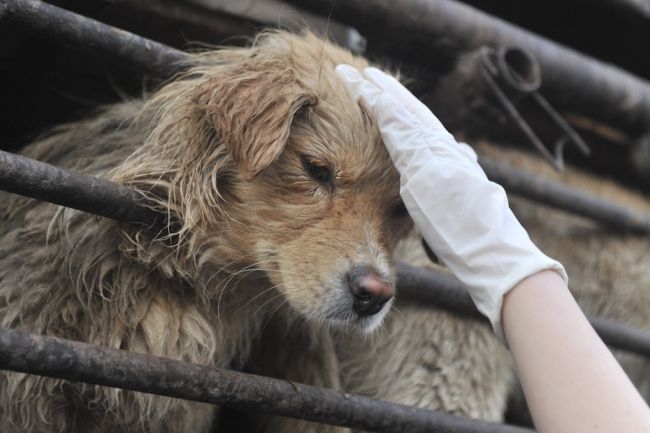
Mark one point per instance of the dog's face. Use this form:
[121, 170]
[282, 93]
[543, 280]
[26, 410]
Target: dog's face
[309, 192]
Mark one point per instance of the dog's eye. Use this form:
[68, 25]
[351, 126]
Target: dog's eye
[400, 210]
[319, 172]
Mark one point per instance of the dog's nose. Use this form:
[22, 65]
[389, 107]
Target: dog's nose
[370, 291]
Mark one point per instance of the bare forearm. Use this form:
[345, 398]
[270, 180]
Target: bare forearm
[571, 380]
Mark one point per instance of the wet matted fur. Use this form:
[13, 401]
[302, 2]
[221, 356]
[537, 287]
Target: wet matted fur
[278, 185]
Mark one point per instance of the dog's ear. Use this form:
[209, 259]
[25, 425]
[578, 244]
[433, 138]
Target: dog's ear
[252, 107]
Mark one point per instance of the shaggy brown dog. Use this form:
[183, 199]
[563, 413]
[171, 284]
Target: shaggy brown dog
[287, 206]
[287, 213]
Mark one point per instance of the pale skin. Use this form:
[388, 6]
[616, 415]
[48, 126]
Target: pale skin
[571, 381]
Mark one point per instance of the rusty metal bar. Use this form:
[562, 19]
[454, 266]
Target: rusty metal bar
[82, 362]
[437, 289]
[491, 88]
[560, 196]
[57, 25]
[43, 181]
[47, 182]
[572, 80]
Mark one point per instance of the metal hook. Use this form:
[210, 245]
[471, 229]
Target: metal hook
[521, 81]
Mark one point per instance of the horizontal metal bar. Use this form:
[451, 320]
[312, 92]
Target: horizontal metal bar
[59, 26]
[82, 362]
[640, 8]
[54, 184]
[42, 181]
[445, 291]
[560, 196]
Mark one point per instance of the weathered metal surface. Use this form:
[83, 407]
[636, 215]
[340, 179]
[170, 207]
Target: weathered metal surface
[43, 181]
[47, 182]
[435, 288]
[635, 7]
[81, 362]
[621, 336]
[560, 196]
[490, 89]
[572, 80]
[59, 26]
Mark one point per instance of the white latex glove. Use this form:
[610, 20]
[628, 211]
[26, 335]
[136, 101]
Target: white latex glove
[463, 216]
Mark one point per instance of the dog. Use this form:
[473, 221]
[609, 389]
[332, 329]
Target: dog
[285, 210]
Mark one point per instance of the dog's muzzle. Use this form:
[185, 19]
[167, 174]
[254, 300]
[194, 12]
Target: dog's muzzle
[369, 290]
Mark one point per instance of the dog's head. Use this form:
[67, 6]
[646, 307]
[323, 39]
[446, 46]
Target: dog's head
[284, 172]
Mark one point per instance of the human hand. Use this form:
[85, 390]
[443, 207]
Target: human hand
[463, 216]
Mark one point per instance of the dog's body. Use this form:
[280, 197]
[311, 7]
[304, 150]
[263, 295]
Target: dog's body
[284, 202]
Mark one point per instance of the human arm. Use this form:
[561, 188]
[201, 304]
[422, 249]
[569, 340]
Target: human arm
[570, 379]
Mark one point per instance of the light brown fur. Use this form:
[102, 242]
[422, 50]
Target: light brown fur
[257, 250]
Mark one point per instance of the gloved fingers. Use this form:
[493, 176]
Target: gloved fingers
[394, 88]
[409, 141]
[398, 91]
[393, 118]
[358, 86]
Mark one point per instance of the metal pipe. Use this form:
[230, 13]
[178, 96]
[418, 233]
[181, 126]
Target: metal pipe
[572, 80]
[491, 89]
[42, 181]
[102, 197]
[84, 34]
[560, 196]
[640, 8]
[447, 292]
[82, 362]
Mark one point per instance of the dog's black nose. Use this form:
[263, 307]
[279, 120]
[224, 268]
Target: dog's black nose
[370, 291]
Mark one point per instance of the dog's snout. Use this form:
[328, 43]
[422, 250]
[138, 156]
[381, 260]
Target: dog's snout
[370, 291]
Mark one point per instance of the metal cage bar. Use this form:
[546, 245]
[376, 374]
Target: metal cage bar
[42, 181]
[82, 362]
[90, 36]
[447, 292]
